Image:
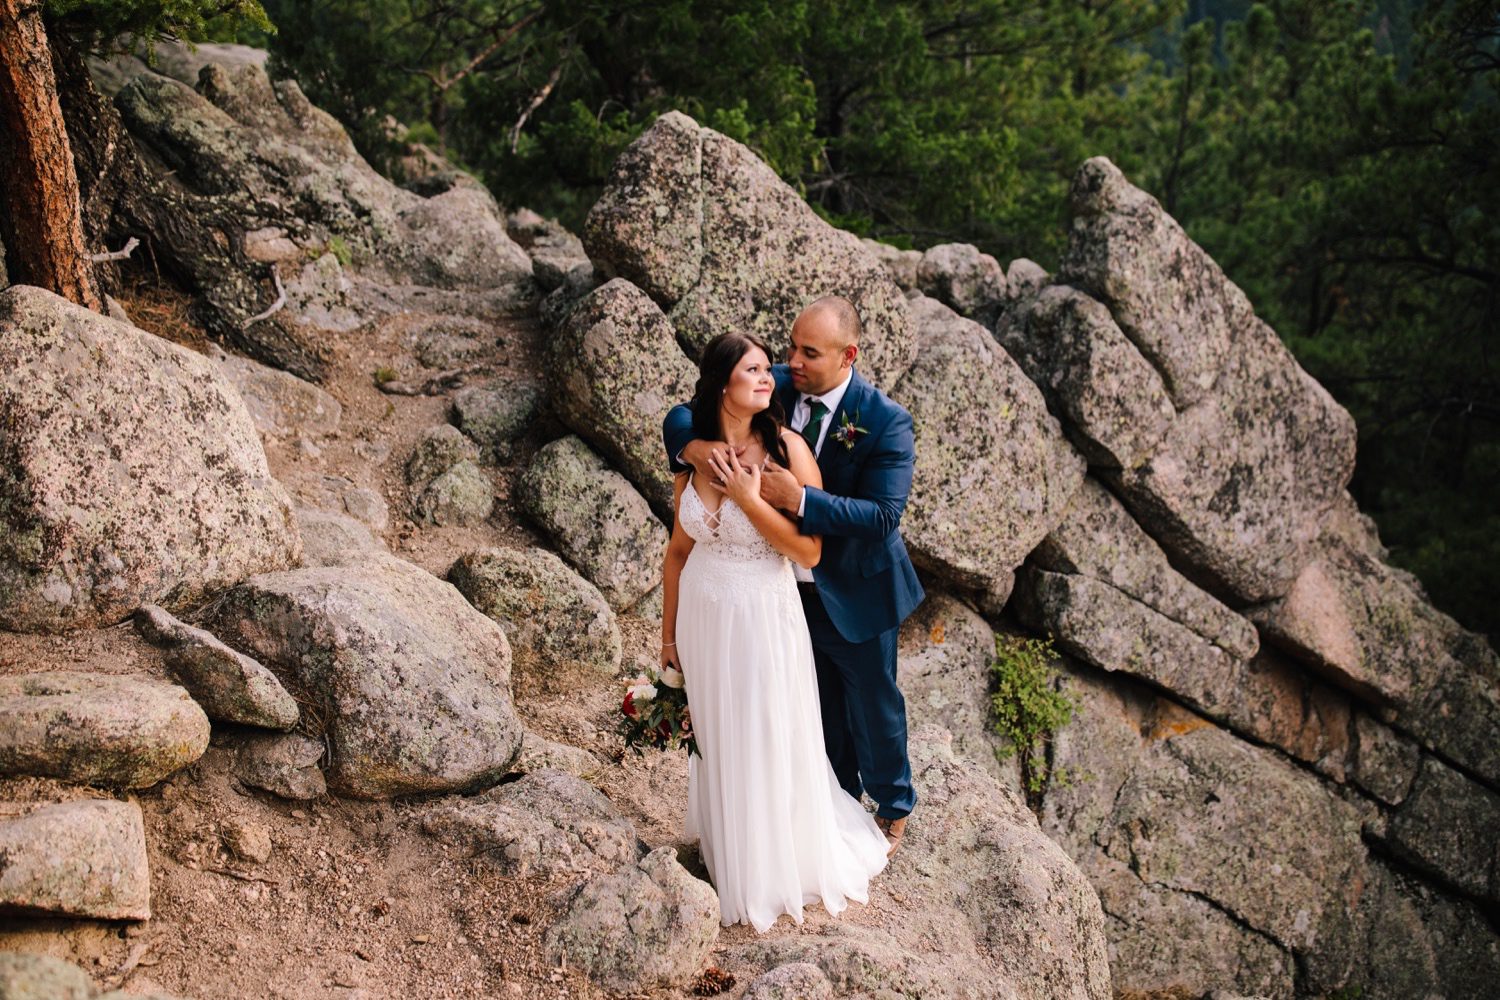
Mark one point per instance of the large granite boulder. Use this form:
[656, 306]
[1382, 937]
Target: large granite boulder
[100, 729]
[614, 370]
[1257, 451]
[648, 925]
[943, 667]
[1359, 622]
[552, 617]
[130, 472]
[411, 684]
[79, 859]
[599, 523]
[963, 278]
[1114, 405]
[994, 472]
[1015, 918]
[705, 228]
[546, 823]
[285, 182]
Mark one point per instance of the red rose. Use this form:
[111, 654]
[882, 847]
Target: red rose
[628, 705]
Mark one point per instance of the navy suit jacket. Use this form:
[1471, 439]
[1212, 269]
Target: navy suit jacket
[865, 577]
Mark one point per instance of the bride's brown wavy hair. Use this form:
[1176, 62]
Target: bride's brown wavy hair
[714, 369]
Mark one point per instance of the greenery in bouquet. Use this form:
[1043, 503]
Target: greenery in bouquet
[654, 713]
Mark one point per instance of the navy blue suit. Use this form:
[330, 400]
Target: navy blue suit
[864, 585]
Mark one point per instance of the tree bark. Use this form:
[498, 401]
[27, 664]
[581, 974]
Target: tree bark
[40, 221]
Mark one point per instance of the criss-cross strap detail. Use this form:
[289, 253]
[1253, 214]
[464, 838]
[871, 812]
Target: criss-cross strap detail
[728, 530]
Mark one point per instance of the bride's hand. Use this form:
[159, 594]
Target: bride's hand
[739, 482]
[669, 658]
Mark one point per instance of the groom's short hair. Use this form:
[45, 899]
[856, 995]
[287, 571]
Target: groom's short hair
[844, 314]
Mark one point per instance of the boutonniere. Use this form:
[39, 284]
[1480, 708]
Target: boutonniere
[848, 431]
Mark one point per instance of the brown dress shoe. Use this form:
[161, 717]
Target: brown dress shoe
[893, 829]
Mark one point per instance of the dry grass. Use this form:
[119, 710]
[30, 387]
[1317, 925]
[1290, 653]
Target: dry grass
[160, 307]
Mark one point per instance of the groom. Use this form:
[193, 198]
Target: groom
[864, 586]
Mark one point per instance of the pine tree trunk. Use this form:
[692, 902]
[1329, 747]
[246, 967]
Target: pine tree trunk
[39, 204]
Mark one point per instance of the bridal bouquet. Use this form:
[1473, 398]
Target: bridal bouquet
[655, 712]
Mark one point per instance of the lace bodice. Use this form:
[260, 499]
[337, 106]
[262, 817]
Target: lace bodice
[726, 532]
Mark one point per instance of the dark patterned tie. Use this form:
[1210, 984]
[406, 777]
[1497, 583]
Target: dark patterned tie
[814, 424]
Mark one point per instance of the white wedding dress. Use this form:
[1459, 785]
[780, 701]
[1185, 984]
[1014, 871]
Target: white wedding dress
[776, 830]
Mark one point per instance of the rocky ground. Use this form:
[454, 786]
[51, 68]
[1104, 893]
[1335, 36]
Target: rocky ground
[259, 896]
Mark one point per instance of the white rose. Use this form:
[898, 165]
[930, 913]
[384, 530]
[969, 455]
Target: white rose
[642, 693]
[671, 677]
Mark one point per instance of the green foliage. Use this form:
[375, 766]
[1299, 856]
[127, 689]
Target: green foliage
[385, 374]
[137, 24]
[1029, 705]
[339, 247]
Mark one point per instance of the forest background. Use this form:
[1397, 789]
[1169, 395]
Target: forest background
[1340, 159]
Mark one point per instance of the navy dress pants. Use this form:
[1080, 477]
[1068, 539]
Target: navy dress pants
[864, 713]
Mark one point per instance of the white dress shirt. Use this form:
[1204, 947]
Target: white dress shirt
[801, 416]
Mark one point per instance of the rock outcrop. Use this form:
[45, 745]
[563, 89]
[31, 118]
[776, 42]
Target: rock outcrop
[1281, 779]
[993, 473]
[130, 472]
[705, 228]
[1255, 453]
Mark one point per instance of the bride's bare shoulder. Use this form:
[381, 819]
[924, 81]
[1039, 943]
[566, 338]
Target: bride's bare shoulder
[796, 444]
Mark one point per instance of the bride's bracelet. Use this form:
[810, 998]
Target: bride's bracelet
[666, 644]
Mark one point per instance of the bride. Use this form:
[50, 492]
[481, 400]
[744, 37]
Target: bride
[776, 830]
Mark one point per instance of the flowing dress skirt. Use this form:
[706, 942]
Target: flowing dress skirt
[776, 830]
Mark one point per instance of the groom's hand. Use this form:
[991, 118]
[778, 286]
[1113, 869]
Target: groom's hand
[779, 488]
[701, 454]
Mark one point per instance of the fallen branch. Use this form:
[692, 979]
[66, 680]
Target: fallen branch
[242, 876]
[120, 254]
[275, 306]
